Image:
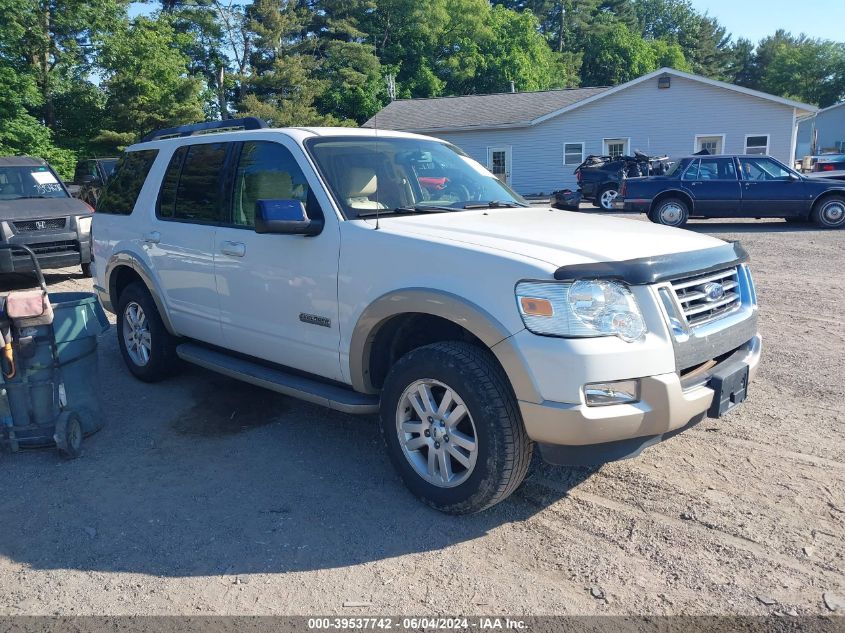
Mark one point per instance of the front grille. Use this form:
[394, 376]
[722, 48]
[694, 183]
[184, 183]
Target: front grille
[50, 248]
[700, 298]
[26, 226]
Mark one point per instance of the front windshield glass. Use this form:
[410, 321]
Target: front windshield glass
[387, 176]
[19, 182]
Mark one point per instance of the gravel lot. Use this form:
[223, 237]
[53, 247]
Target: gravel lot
[205, 496]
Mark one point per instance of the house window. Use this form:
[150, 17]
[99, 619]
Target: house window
[573, 153]
[711, 143]
[615, 147]
[757, 144]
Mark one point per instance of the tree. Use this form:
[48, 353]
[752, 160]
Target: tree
[281, 85]
[22, 133]
[806, 69]
[516, 52]
[51, 40]
[614, 55]
[147, 80]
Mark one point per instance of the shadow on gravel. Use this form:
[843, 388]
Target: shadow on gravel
[200, 475]
[24, 281]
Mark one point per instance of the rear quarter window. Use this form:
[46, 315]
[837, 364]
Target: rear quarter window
[125, 184]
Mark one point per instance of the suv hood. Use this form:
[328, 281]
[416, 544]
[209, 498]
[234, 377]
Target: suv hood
[560, 238]
[41, 208]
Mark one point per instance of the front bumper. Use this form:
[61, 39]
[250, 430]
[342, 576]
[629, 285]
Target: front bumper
[53, 248]
[578, 434]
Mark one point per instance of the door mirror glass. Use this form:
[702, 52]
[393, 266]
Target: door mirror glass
[285, 216]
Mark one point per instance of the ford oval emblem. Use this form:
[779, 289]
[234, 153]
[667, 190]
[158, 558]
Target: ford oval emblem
[713, 292]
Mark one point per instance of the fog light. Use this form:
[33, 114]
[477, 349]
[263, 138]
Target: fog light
[601, 394]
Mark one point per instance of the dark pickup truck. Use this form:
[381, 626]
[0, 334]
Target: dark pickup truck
[723, 186]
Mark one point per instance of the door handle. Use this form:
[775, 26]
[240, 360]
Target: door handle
[153, 237]
[235, 249]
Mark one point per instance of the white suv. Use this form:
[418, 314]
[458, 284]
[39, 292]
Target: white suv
[387, 272]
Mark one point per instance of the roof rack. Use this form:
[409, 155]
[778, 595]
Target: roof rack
[246, 123]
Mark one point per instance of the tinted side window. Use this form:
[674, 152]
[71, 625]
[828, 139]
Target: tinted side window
[167, 194]
[193, 192]
[692, 171]
[762, 169]
[125, 184]
[267, 171]
[716, 169]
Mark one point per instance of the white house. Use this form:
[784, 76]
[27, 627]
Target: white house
[534, 140]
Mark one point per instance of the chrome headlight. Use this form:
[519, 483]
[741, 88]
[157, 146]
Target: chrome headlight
[584, 308]
[84, 224]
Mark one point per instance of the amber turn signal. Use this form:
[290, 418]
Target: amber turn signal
[533, 306]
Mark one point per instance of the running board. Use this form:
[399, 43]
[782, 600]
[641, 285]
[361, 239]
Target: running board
[308, 389]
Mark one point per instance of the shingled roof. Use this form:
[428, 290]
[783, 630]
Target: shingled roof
[523, 109]
[507, 109]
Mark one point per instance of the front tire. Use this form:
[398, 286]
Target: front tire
[86, 270]
[670, 212]
[148, 349]
[453, 429]
[830, 212]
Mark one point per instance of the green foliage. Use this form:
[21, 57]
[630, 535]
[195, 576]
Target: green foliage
[810, 70]
[147, 78]
[78, 77]
[613, 54]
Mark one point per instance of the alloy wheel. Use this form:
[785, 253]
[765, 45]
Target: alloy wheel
[136, 334]
[436, 433]
[607, 198]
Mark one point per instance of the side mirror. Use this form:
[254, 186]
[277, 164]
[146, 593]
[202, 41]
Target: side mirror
[794, 177]
[287, 217]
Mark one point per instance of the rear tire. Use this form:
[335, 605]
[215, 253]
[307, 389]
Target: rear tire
[86, 270]
[605, 197]
[148, 349]
[829, 213]
[491, 458]
[670, 212]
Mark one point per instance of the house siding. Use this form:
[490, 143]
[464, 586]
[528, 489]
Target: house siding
[656, 121]
[831, 130]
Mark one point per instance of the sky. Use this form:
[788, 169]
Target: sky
[755, 19]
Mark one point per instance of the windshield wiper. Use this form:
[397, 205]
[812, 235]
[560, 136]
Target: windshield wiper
[493, 204]
[417, 208]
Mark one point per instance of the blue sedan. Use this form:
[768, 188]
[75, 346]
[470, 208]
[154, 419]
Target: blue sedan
[734, 187]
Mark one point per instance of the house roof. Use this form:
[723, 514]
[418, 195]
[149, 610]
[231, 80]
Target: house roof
[506, 109]
[525, 109]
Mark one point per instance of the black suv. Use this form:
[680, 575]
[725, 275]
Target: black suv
[37, 210]
[90, 177]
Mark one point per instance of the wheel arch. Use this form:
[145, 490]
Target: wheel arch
[395, 315]
[122, 269]
[839, 191]
[672, 193]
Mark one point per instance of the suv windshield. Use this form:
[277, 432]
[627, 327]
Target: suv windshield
[34, 181]
[370, 176]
